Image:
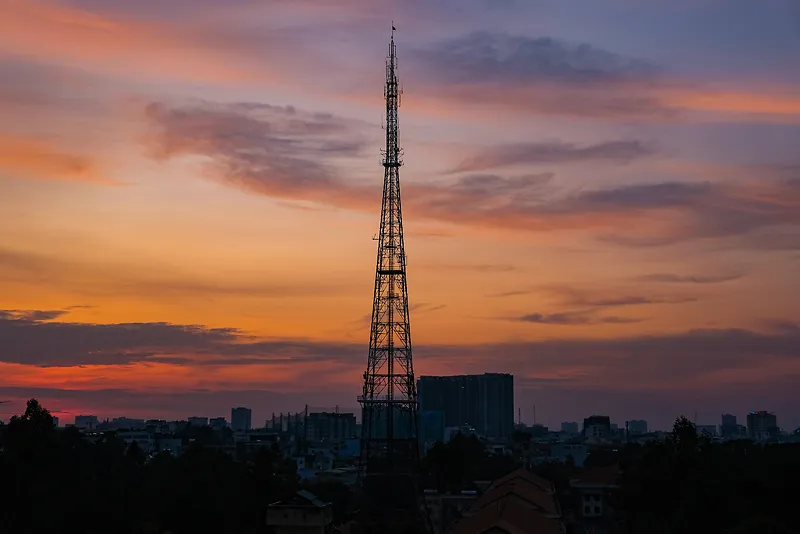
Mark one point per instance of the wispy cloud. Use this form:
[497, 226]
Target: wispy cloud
[133, 280]
[554, 152]
[119, 44]
[510, 59]
[548, 76]
[291, 154]
[425, 307]
[672, 278]
[605, 298]
[585, 317]
[481, 268]
[277, 151]
[31, 157]
[32, 338]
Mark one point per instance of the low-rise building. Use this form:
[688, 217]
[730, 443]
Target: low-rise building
[444, 509]
[465, 430]
[637, 427]
[218, 423]
[168, 445]
[198, 421]
[86, 422]
[706, 430]
[597, 428]
[143, 440]
[570, 427]
[591, 489]
[518, 502]
[304, 513]
[562, 452]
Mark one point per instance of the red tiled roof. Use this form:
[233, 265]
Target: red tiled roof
[527, 476]
[533, 495]
[508, 516]
[598, 476]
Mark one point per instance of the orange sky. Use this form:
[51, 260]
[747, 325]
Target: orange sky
[600, 225]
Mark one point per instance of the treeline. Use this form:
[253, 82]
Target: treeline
[56, 481]
[457, 464]
[687, 483]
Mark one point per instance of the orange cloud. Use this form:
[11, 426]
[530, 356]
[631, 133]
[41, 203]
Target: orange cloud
[34, 158]
[52, 32]
[622, 100]
[778, 103]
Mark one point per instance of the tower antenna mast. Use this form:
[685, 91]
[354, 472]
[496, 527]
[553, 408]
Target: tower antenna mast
[389, 444]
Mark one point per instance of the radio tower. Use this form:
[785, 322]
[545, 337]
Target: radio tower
[389, 445]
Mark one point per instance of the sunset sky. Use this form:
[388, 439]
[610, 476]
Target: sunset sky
[600, 197]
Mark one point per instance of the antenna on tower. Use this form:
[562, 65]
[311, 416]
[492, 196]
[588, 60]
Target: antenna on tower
[390, 448]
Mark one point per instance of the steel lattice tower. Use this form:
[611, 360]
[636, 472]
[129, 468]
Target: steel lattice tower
[389, 403]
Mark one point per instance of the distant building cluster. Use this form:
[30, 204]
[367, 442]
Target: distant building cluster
[326, 444]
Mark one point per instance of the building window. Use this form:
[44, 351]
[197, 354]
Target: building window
[587, 510]
[596, 510]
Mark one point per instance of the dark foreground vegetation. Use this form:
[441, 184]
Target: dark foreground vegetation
[688, 483]
[56, 481]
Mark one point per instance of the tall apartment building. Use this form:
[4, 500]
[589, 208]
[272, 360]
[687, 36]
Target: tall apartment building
[762, 425]
[729, 428]
[241, 419]
[484, 402]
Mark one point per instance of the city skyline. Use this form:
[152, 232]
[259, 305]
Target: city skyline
[603, 202]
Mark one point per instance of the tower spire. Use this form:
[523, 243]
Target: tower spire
[389, 445]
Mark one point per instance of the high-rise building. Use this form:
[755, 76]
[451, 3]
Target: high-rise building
[729, 428]
[431, 427]
[728, 419]
[55, 421]
[241, 419]
[569, 427]
[637, 427]
[330, 426]
[762, 425]
[484, 402]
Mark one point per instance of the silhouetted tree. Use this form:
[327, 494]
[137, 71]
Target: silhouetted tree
[59, 481]
[463, 460]
[686, 483]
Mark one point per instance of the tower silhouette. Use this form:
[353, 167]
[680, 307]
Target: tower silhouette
[389, 445]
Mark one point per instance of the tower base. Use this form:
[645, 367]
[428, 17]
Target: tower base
[390, 504]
